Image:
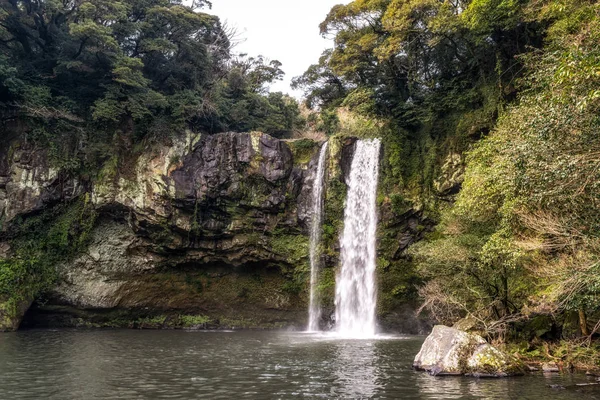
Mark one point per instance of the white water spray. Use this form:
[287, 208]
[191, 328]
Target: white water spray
[314, 308]
[355, 292]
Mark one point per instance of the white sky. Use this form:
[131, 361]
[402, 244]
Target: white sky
[284, 30]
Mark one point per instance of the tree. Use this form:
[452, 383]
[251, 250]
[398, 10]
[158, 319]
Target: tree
[529, 196]
[148, 66]
[245, 103]
[418, 51]
[323, 88]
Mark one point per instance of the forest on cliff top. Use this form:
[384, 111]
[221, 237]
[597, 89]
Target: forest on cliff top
[511, 88]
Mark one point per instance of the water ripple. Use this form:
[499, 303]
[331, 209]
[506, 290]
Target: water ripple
[74, 365]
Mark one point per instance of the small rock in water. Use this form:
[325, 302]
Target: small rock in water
[435, 370]
[550, 367]
[557, 387]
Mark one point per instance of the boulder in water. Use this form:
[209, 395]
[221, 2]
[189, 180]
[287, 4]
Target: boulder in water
[449, 351]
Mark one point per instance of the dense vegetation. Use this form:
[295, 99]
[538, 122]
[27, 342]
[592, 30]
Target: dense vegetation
[514, 86]
[41, 243]
[141, 68]
[526, 219]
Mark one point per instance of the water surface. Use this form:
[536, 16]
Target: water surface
[129, 364]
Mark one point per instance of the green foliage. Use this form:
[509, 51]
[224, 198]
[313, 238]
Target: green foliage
[487, 16]
[328, 122]
[326, 288]
[323, 87]
[335, 197]
[361, 101]
[358, 125]
[523, 236]
[293, 248]
[407, 59]
[303, 150]
[566, 353]
[292, 287]
[149, 322]
[398, 282]
[143, 68]
[10, 84]
[189, 321]
[161, 321]
[400, 205]
[39, 244]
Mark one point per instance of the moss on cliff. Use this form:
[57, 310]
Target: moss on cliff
[38, 244]
[335, 197]
[303, 150]
[292, 248]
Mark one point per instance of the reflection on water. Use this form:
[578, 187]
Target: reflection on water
[356, 369]
[69, 365]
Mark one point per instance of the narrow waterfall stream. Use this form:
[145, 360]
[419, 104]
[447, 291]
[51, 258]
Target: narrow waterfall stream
[314, 308]
[355, 292]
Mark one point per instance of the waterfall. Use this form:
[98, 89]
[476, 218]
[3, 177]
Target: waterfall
[355, 292]
[314, 308]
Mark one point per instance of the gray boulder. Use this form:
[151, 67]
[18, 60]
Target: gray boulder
[449, 351]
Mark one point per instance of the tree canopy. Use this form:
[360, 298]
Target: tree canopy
[419, 52]
[147, 65]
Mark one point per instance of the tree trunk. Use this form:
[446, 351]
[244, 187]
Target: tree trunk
[583, 323]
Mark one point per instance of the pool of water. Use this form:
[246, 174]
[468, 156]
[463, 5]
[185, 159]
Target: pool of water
[129, 364]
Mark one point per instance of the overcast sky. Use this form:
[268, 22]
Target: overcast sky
[284, 30]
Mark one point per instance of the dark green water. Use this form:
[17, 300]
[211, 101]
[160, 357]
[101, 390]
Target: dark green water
[132, 364]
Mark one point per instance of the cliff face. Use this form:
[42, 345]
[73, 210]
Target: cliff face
[207, 231]
[209, 227]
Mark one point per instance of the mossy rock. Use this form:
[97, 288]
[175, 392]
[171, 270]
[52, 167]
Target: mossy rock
[11, 313]
[303, 150]
[488, 361]
[449, 351]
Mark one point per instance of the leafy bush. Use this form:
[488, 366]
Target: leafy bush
[524, 235]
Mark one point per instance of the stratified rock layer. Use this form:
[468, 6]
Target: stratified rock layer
[205, 226]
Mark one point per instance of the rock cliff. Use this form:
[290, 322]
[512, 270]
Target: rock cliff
[207, 226]
[203, 231]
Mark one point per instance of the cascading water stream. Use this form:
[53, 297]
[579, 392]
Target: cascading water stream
[314, 308]
[355, 292]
